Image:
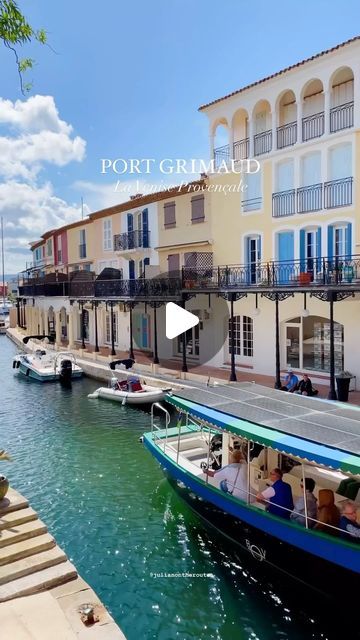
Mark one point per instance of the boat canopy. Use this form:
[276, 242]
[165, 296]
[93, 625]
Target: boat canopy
[301, 447]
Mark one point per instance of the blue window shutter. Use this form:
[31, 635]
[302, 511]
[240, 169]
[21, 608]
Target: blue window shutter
[145, 228]
[259, 249]
[131, 270]
[348, 240]
[130, 222]
[302, 249]
[318, 248]
[330, 250]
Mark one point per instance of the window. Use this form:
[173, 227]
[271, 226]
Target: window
[340, 240]
[169, 215]
[197, 209]
[38, 254]
[243, 336]
[307, 344]
[49, 248]
[59, 252]
[108, 327]
[82, 246]
[107, 234]
[252, 198]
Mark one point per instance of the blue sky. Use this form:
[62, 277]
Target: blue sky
[130, 76]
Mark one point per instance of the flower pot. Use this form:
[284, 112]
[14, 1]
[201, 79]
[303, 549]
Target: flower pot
[304, 278]
[4, 486]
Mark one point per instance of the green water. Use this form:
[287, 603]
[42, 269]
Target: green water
[80, 464]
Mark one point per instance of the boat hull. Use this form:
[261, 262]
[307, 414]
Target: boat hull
[300, 554]
[133, 398]
[30, 372]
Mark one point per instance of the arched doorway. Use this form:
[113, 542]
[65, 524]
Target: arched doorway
[307, 344]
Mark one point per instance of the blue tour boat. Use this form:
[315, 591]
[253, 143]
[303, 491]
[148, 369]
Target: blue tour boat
[304, 437]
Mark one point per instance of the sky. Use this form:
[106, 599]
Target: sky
[124, 79]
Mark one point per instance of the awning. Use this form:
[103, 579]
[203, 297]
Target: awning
[302, 448]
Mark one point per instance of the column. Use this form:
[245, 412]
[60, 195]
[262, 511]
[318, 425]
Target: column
[233, 377]
[131, 346]
[57, 328]
[251, 137]
[273, 115]
[332, 391]
[71, 328]
[327, 103]
[184, 367]
[18, 319]
[211, 145]
[277, 345]
[357, 97]
[96, 327]
[299, 111]
[156, 357]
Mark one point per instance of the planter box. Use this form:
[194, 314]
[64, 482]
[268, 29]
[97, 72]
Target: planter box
[304, 278]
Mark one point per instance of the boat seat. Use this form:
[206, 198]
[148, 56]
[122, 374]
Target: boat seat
[191, 443]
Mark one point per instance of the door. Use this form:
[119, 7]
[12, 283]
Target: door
[253, 257]
[285, 251]
[145, 331]
[293, 346]
[192, 338]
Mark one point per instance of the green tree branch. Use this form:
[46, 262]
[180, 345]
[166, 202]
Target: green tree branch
[15, 31]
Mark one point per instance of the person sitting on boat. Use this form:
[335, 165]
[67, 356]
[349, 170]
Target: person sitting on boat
[278, 497]
[328, 514]
[350, 529]
[233, 478]
[298, 515]
[290, 382]
[305, 388]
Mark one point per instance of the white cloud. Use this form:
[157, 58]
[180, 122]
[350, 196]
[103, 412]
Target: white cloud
[28, 212]
[33, 135]
[36, 136]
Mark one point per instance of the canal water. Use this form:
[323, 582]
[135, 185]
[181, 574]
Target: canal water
[81, 465]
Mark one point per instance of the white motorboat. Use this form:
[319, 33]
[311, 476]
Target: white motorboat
[48, 366]
[130, 391]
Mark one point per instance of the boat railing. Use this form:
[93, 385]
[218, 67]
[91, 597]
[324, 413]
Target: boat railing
[309, 522]
[157, 405]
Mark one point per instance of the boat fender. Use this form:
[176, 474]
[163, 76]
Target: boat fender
[17, 364]
[27, 372]
[141, 439]
[14, 364]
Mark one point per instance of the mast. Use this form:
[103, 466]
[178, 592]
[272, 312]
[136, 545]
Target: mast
[3, 259]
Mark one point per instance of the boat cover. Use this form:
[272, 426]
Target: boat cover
[317, 431]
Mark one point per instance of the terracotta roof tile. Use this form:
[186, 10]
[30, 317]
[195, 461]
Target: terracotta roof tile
[279, 73]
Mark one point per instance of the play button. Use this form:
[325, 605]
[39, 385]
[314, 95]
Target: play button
[178, 320]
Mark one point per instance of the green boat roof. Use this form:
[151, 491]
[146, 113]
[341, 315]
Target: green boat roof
[317, 431]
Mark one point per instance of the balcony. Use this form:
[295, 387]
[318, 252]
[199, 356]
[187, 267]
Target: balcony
[251, 204]
[286, 135]
[309, 198]
[139, 239]
[82, 251]
[338, 193]
[221, 155]
[342, 117]
[241, 149]
[262, 143]
[283, 203]
[313, 126]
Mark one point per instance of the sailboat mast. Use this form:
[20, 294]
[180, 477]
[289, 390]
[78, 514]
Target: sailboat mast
[3, 259]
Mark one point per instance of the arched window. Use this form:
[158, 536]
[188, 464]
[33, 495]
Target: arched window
[243, 336]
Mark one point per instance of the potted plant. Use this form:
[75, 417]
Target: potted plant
[343, 382]
[4, 482]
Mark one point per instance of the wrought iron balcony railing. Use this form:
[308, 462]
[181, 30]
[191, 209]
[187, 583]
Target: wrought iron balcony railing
[313, 126]
[342, 117]
[252, 204]
[283, 203]
[221, 155]
[241, 149]
[262, 143]
[132, 240]
[338, 193]
[309, 198]
[286, 135]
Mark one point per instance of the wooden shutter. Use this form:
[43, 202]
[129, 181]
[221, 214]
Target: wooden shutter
[197, 209]
[174, 263]
[169, 215]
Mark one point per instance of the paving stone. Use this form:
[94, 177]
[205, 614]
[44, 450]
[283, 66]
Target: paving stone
[21, 532]
[14, 518]
[36, 617]
[39, 581]
[26, 548]
[12, 501]
[33, 563]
